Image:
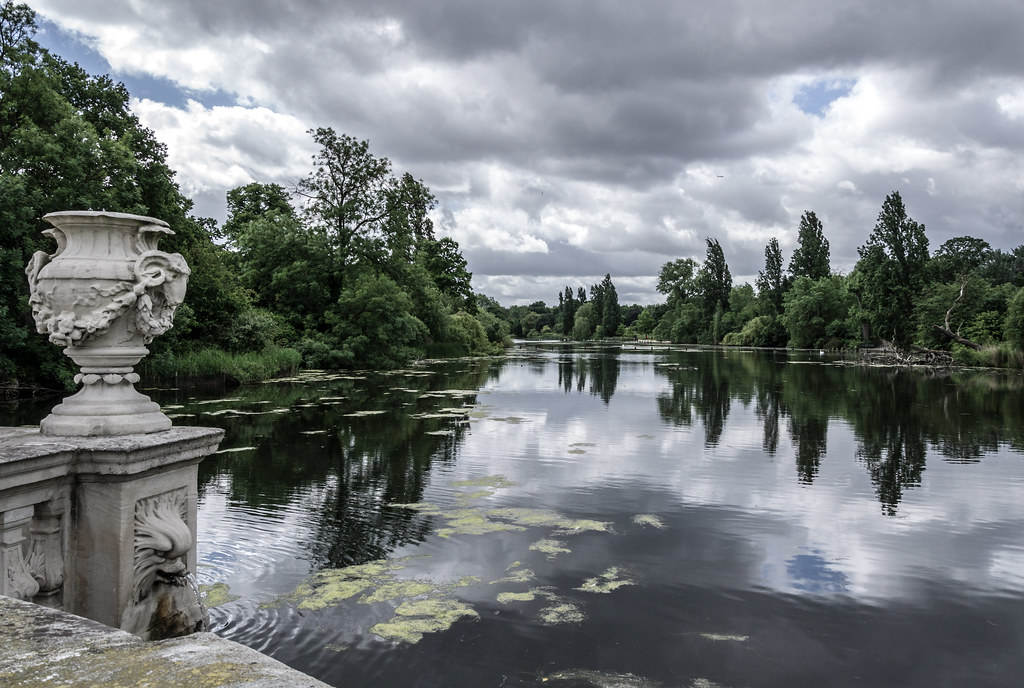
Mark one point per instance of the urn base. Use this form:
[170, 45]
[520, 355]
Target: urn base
[102, 409]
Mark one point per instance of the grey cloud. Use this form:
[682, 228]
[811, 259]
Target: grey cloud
[624, 98]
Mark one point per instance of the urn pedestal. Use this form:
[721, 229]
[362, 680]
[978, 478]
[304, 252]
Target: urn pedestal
[103, 295]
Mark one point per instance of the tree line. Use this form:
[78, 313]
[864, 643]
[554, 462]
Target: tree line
[966, 298]
[342, 270]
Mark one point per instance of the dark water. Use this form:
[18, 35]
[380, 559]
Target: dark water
[620, 517]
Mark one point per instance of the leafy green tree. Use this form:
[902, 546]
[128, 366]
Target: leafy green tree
[816, 313]
[714, 282]
[567, 305]
[373, 323]
[1014, 323]
[585, 322]
[811, 257]
[252, 202]
[446, 266]
[409, 227]
[346, 203]
[677, 279]
[68, 140]
[771, 282]
[606, 307]
[742, 309]
[892, 264]
[952, 304]
[958, 257]
[1004, 267]
[647, 321]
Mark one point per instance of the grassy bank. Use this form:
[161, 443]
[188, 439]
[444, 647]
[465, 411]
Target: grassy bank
[213, 363]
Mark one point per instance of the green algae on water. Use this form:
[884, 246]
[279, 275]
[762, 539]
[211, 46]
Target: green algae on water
[561, 613]
[723, 637]
[552, 548]
[216, 594]
[509, 597]
[649, 520]
[600, 679]
[516, 575]
[330, 587]
[471, 496]
[395, 590]
[608, 581]
[472, 522]
[495, 481]
[528, 517]
[417, 617]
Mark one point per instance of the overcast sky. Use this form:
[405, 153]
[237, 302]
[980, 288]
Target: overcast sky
[566, 140]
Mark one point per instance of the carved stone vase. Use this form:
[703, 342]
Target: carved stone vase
[103, 295]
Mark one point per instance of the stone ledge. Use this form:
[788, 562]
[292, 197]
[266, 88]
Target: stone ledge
[33, 457]
[49, 647]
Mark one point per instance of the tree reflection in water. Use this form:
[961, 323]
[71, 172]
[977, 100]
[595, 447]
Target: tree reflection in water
[896, 413]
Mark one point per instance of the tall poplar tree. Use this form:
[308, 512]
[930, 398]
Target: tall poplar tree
[771, 282]
[892, 267]
[811, 257]
[715, 283]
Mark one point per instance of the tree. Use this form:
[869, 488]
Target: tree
[771, 282]
[606, 307]
[347, 202]
[1014, 327]
[585, 322]
[816, 313]
[251, 202]
[446, 266]
[69, 140]
[373, 323]
[811, 257]
[677, 279]
[892, 265]
[714, 283]
[568, 311]
[958, 257]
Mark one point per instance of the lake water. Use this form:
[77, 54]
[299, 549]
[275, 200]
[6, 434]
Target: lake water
[578, 516]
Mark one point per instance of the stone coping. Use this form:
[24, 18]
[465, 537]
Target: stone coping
[46, 647]
[30, 456]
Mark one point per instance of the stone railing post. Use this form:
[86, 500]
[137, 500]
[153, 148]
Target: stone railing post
[98, 506]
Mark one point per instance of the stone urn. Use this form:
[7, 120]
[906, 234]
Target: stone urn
[103, 295]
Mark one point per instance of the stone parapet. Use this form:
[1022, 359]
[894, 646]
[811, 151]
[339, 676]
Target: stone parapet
[48, 647]
[104, 526]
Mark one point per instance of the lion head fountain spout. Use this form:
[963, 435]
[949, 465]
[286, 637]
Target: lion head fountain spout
[103, 295]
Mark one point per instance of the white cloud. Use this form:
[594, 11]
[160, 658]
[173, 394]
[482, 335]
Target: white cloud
[219, 148]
